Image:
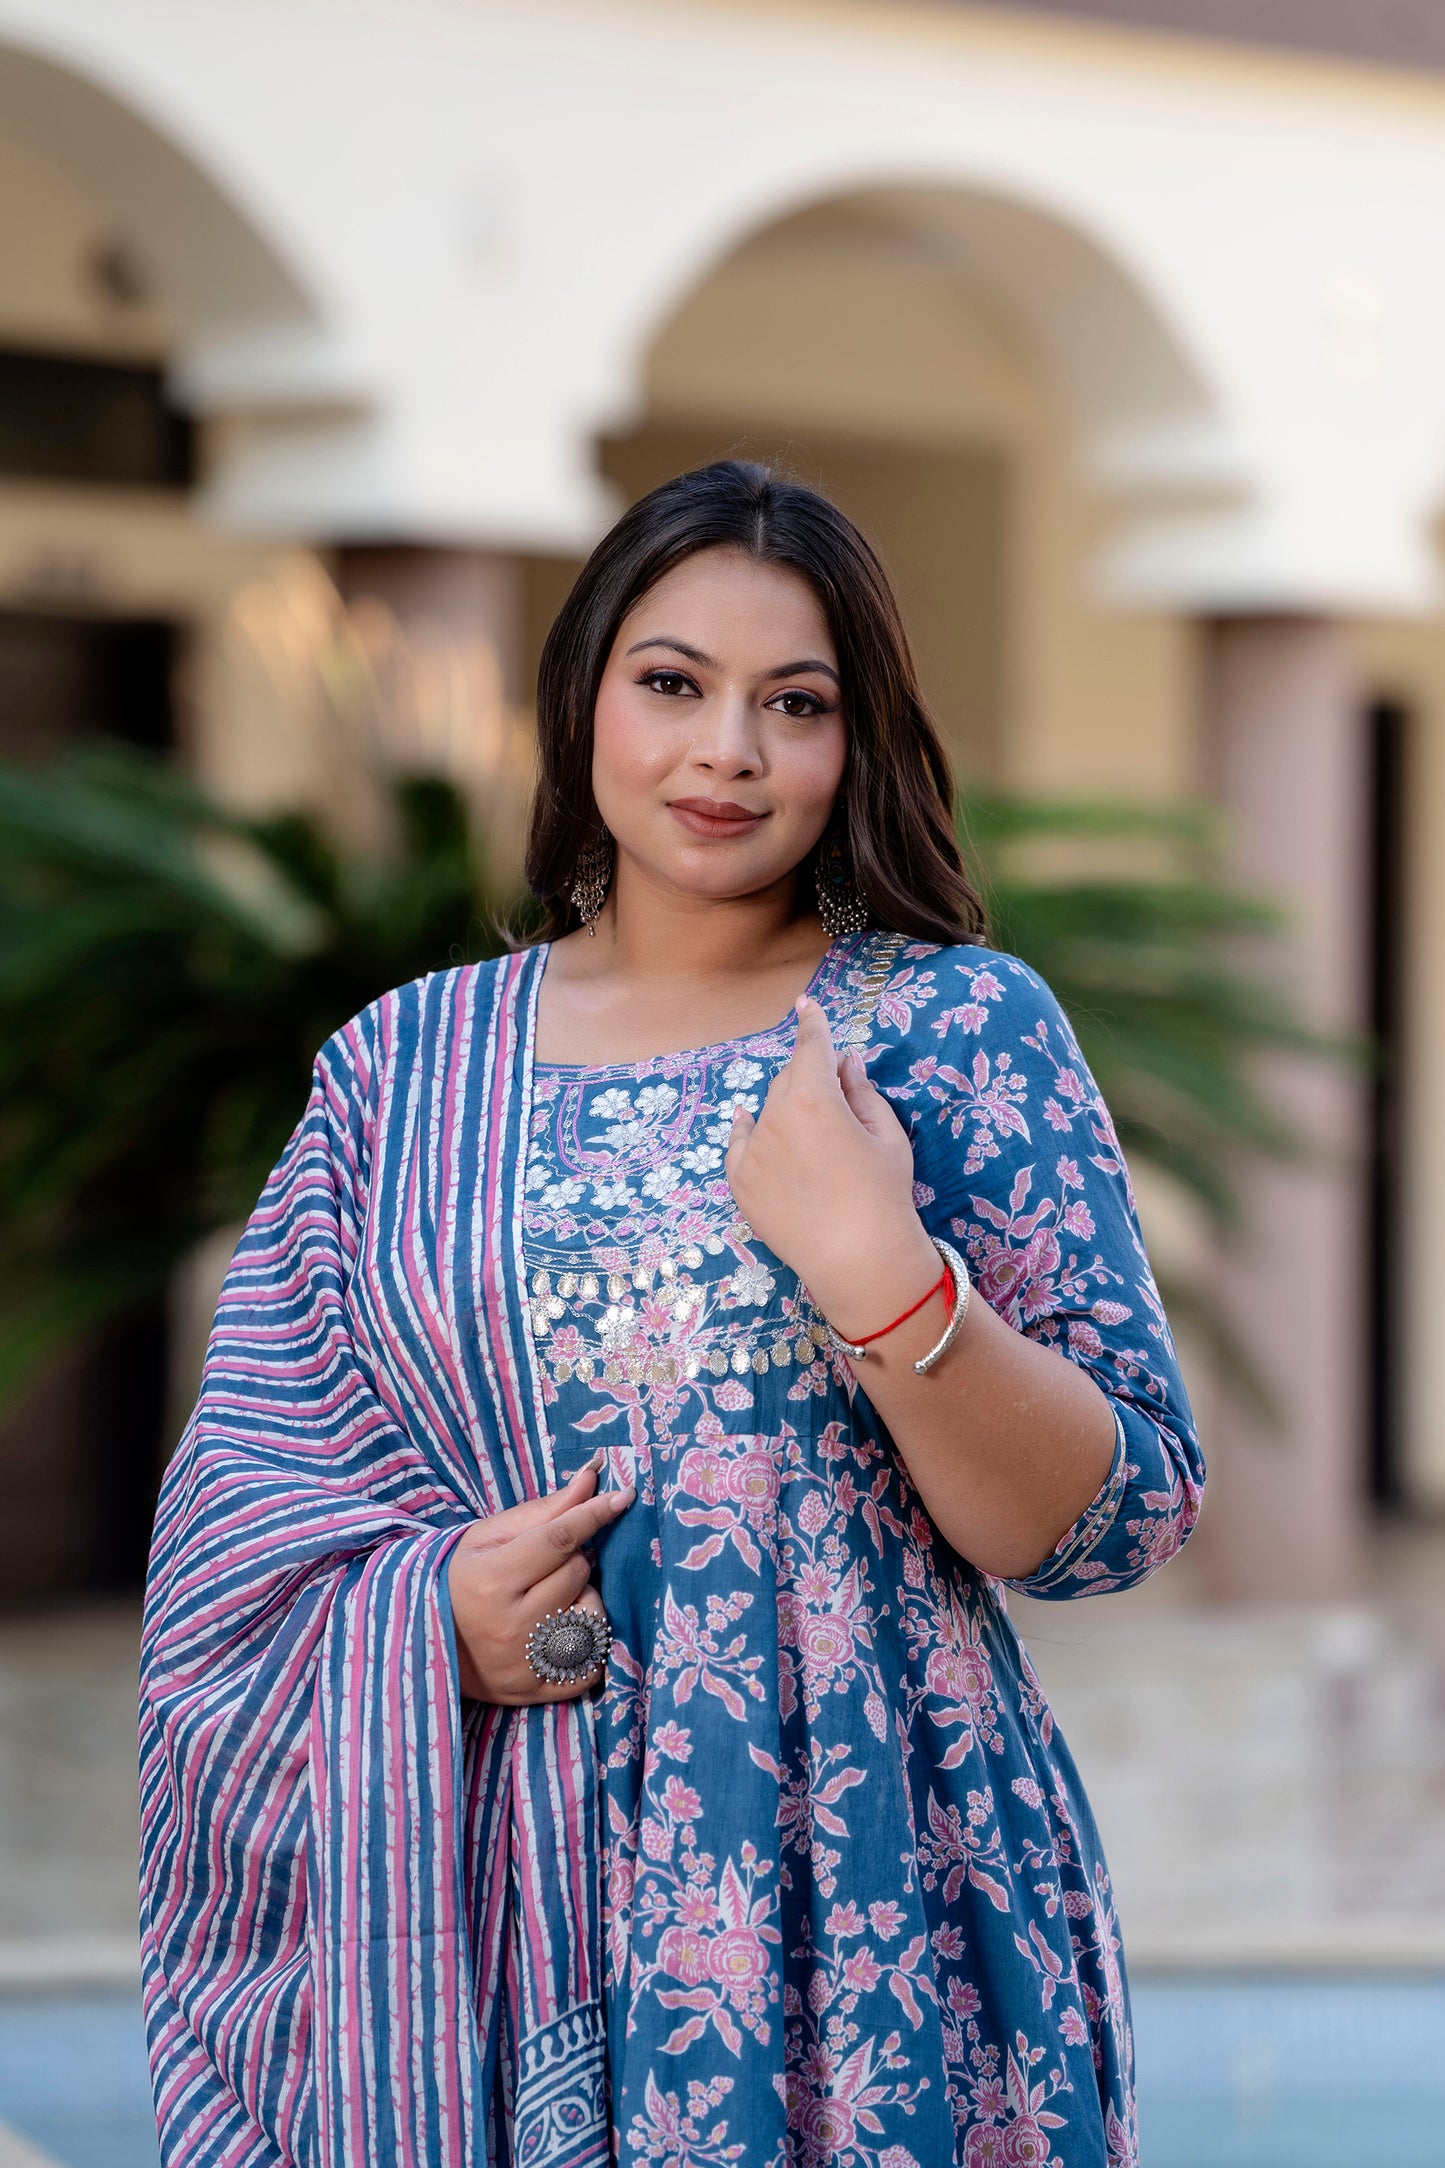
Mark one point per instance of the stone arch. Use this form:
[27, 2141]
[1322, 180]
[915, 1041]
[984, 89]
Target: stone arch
[1143, 397]
[1042, 391]
[236, 295]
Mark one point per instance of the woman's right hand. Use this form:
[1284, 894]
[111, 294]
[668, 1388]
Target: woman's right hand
[507, 1573]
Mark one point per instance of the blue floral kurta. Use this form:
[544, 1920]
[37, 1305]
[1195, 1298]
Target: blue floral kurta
[856, 1909]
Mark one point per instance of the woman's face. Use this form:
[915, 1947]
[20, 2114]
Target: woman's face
[718, 737]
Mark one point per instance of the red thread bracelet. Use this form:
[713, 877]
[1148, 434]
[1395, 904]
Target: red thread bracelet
[945, 1279]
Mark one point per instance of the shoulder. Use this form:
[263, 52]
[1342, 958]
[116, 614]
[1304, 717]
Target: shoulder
[980, 1063]
[936, 997]
[972, 1036]
[416, 1022]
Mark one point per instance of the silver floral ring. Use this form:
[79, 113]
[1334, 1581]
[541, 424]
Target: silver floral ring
[567, 1645]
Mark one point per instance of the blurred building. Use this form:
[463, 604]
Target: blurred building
[1120, 327]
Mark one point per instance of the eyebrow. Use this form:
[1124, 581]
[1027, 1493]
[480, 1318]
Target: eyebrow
[695, 654]
[796, 669]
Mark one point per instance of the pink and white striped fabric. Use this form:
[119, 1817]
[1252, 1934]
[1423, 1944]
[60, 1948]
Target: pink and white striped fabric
[369, 1916]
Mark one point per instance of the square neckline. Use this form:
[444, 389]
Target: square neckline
[825, 977]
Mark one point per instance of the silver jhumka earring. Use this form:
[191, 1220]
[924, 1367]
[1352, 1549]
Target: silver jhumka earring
[840, 906]
[591, 879]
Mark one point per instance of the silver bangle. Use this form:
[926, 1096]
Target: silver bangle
[962, 1289]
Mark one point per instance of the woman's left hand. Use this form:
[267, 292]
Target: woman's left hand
[824, 1175]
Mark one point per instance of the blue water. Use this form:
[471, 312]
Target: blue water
[1270, 2073]
[73, 2078]
[1291, 2073]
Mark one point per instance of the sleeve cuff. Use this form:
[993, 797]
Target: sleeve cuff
[1074, 1547]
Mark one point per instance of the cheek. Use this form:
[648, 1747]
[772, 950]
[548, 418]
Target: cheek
[627, 747]
[809, 770]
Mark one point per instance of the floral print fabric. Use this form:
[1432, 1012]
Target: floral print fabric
[856, 1909]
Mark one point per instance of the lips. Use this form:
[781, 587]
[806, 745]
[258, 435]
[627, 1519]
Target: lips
[715, 817]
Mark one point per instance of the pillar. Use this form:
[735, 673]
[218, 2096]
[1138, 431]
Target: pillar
[462, 594]
[444, 628]
[1285, 743]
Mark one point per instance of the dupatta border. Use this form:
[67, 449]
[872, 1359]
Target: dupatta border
[553, 1964]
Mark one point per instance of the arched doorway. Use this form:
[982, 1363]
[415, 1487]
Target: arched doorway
[976, 382]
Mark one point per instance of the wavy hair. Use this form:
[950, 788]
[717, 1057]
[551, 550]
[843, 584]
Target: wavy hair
[896, 797]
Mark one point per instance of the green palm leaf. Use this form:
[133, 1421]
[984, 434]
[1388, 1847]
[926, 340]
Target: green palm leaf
[1166, 978]
[167, 970]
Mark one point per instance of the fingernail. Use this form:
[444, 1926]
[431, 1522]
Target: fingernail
[597, 1459]
[622, 1498]
[801, 1003]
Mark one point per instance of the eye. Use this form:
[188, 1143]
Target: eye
[672, 684]
[798, 703]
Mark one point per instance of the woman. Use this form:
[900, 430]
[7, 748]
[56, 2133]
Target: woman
[581, 1717]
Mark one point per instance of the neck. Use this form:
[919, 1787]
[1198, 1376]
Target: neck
[647, 931]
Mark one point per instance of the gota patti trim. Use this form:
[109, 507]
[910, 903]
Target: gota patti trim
[875, 976]
[660, 1337]
[637, 1316]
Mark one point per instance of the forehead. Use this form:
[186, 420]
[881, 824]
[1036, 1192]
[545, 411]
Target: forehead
[728, 604]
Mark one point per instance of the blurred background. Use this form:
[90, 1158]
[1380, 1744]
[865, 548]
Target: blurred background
[332, 332]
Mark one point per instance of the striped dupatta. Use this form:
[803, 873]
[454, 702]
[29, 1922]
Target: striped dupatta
[369, 1915]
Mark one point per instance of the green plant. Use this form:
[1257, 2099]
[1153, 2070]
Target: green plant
[167, 971]
[1159, 973]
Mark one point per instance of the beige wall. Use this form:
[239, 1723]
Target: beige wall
[112, 552]
[136, 553]
[58, 268]
[863, 353]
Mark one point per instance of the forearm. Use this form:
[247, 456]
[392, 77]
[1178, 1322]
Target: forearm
[1005, 1441]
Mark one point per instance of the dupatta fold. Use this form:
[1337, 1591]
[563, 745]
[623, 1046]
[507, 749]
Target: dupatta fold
[370, 1915]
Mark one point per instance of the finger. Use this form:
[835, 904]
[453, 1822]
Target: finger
[813, 1049]
[571, 1493]
[867, 1102]
[577, 1487]
[738, 1140]
[505, 1527]
[559, 1589]
[542, 1550]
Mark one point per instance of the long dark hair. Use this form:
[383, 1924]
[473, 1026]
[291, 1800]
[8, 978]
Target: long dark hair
[897, 794]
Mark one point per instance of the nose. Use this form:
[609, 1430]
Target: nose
[729, 743]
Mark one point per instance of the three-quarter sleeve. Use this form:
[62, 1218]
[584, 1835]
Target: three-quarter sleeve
[1017, 1164]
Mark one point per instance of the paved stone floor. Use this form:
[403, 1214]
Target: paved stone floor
[67, 1791]
[1270, 1785]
